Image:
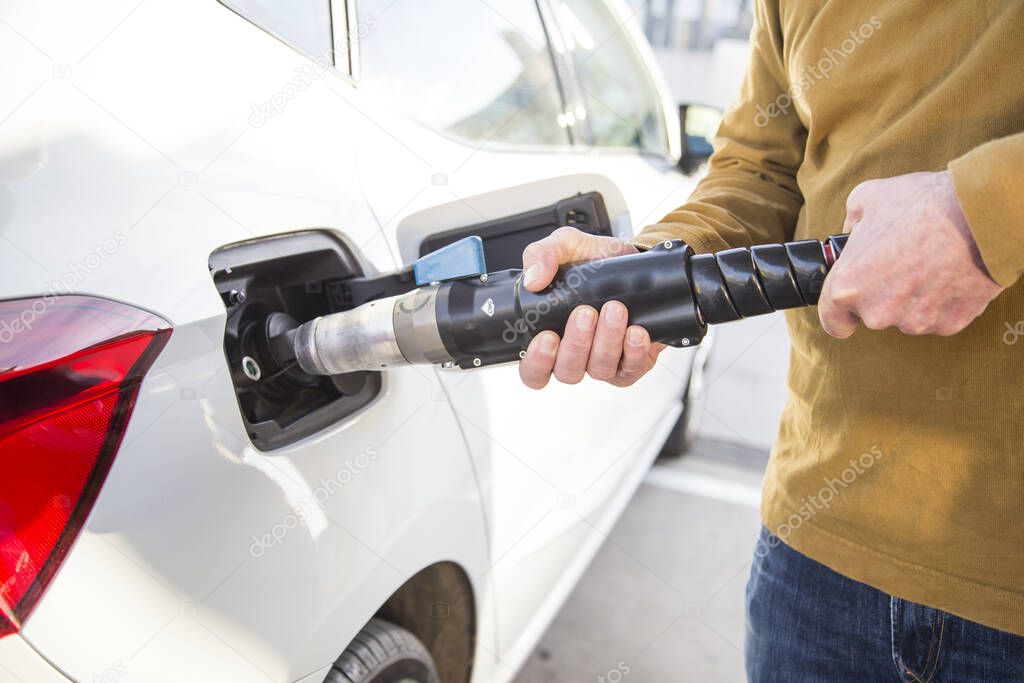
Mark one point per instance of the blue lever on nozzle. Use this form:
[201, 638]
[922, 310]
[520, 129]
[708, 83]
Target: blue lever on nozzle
[455, 261]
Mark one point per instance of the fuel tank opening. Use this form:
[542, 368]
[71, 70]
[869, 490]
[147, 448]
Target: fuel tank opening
[269, 286]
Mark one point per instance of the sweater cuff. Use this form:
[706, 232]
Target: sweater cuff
[989, 183]
[701, 240]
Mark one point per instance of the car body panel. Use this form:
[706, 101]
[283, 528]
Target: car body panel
[20, 663]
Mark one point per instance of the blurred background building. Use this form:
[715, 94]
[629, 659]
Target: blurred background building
[701, 44]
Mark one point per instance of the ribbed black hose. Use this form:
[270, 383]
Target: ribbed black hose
[738, 283]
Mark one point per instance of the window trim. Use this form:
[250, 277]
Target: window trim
[567, 91]
[339, 23]
[344, 16]
[673, 142]
[562, 60]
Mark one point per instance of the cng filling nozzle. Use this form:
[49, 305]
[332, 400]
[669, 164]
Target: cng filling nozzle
[463, 316]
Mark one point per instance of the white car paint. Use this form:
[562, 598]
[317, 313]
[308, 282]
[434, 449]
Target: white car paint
[132, 121]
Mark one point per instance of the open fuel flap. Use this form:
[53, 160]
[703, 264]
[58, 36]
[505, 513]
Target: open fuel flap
[268, 286]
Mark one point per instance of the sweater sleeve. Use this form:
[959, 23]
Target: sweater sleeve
[989, 182]
[750, 194]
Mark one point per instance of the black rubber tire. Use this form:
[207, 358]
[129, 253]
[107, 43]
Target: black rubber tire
[384, 653]
[680, 439]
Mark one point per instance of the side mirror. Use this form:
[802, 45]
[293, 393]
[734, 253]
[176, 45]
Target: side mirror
[699, 123]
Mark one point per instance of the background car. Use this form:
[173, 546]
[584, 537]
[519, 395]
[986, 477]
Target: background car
[175, 172]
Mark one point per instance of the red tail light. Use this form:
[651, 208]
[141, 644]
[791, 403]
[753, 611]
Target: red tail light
[70, 369]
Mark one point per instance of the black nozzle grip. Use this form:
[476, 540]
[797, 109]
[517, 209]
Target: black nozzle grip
[483, 322]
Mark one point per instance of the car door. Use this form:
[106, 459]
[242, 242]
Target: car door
[497, 144]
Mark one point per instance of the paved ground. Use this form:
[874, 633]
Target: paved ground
[663, 599]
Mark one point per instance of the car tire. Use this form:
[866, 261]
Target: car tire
[384, 653]
[684, 433]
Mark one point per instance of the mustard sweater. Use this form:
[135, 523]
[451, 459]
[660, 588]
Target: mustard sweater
[899, 460]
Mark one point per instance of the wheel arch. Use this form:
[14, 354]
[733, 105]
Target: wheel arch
[438, 606]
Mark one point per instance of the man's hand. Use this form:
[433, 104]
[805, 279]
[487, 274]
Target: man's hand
[598, 344]
[911, 261]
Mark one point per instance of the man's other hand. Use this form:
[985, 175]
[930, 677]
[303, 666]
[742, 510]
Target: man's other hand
[911, 262]
[596, 343]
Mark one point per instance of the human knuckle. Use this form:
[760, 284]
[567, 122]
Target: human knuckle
[863, 190]
[540, 249]
[566, 233]
[535, 252]
[569, 376]
[856, 196]
[604, 364]
[876, 320]
[630, 374]
[574, 352]
[577, 346]
[843, 292]
[913, 327]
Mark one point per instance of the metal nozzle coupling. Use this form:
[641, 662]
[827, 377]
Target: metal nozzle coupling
[399, 330]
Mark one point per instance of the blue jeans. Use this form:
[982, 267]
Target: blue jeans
[807, 623]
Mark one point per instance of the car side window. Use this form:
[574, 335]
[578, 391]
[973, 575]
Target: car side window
[303, 24]
[481, 71]
[623, 107]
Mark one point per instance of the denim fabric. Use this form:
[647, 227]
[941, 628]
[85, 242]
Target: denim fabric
[807, 623]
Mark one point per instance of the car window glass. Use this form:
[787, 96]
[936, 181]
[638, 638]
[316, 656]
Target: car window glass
[304, 24]
[476, 70]
[623, 107]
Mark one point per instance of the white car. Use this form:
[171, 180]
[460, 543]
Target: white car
[173, 172]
